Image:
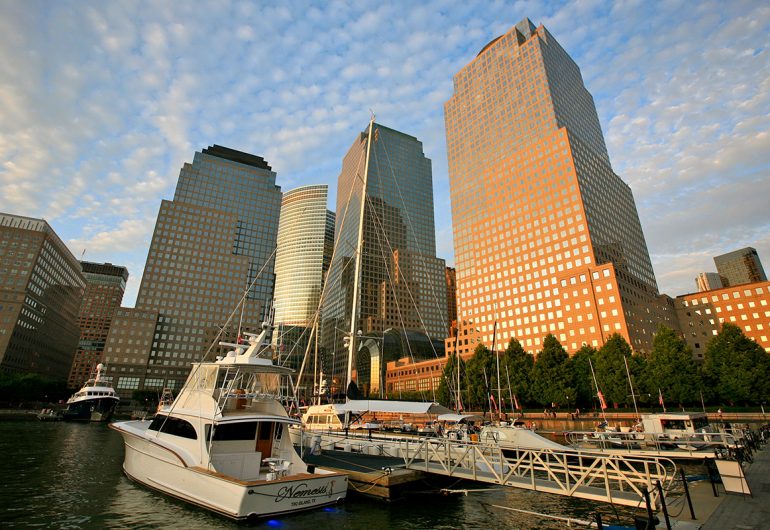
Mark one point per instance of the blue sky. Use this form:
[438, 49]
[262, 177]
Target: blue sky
[102, 102]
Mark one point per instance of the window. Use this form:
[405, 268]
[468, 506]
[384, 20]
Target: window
[173, 426]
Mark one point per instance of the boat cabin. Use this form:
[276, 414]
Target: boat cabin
[676, 423]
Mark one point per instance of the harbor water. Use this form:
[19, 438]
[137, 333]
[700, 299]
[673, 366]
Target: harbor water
[68, 475]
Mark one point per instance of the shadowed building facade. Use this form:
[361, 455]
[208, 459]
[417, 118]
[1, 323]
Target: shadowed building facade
[547, 237]
[41, 289]
[105, 286]
[739, 267]
[214, 241]
[403, 283]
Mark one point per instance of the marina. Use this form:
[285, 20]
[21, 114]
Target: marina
[71, 473]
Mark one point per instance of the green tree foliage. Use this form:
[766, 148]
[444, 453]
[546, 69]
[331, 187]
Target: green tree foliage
[551, 376]
[581, 376]
[516, 370]
[480, 370]
[735, 367]
[671, 369]
[447, 389]
[18, 388]
[611, 370]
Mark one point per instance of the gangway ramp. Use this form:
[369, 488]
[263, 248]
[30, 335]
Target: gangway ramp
[598, 477]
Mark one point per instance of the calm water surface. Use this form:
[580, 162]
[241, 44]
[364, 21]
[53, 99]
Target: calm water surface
[68, 475]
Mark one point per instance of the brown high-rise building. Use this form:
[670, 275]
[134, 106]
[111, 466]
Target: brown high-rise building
[547, 237]
[105, 285]
[41, 289]
[212, 245]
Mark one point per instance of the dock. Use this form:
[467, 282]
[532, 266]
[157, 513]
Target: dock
[380, 477]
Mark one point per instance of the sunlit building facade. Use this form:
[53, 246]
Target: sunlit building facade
[403, 283]
[41, 289]
[305, 242]
[547, 237]
[213, 243]
[105, 286]
[747, 306]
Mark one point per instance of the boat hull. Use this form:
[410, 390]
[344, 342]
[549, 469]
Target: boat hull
[99, 409]
[161, 469]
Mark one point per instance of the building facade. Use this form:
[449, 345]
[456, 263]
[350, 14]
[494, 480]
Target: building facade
[303, 255]
[41, 289]
[547, 237]
[402, 282]
[706, 281]
[747, 306]
[739, 267]
[212, 244]
[105, 286]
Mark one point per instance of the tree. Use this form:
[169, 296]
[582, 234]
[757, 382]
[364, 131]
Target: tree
[551, 377]
[581, 376]
[671, 368]
[447, 389]
[516, 367]
[480, 370]
[735, 367]
[611, 370]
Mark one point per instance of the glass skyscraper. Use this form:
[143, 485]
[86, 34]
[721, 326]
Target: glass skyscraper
[403, 286]
[305, 243]
[547, 237]
[214, 241]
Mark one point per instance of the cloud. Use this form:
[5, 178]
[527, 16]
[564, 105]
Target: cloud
[101, 104]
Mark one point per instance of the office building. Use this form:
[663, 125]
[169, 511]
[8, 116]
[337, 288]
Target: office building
[213, 243]
[451, 297]
[105, 285]
[402, 282]
[747, 306]
[305, 243]
[739, 267]
[41, 289]
[706, 281]
[547, 237]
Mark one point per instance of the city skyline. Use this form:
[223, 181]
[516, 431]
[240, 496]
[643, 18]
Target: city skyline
[103, 105]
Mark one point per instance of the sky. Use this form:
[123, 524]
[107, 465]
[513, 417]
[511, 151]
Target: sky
[101, 103]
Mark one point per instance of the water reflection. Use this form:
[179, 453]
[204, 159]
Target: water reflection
[66, 475]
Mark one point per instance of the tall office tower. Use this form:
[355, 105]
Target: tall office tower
[739, 267]
[105, 285]
[305, 242]
[547, 237]
[402, 282]
[214, 241]
[451, 297]
[41, 289]
[706, 281]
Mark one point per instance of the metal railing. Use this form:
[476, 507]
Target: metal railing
[608, 478]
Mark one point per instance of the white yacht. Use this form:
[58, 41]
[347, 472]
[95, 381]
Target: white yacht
[95, 401]
[223, 443]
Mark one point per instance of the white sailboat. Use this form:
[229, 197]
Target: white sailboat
[223, 443]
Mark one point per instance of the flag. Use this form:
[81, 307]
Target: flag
[516, 402]
[494, 403]
[602, 403]
[660, 400]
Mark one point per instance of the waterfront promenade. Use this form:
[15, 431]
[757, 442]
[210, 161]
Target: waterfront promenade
[743, 512]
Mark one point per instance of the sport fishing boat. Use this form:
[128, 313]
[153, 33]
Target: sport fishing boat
[95, 401]
[223, 443]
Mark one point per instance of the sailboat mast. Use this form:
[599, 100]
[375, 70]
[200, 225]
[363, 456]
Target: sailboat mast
[359, 248]
[633, 395]
[598, 392]
[497, 359]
